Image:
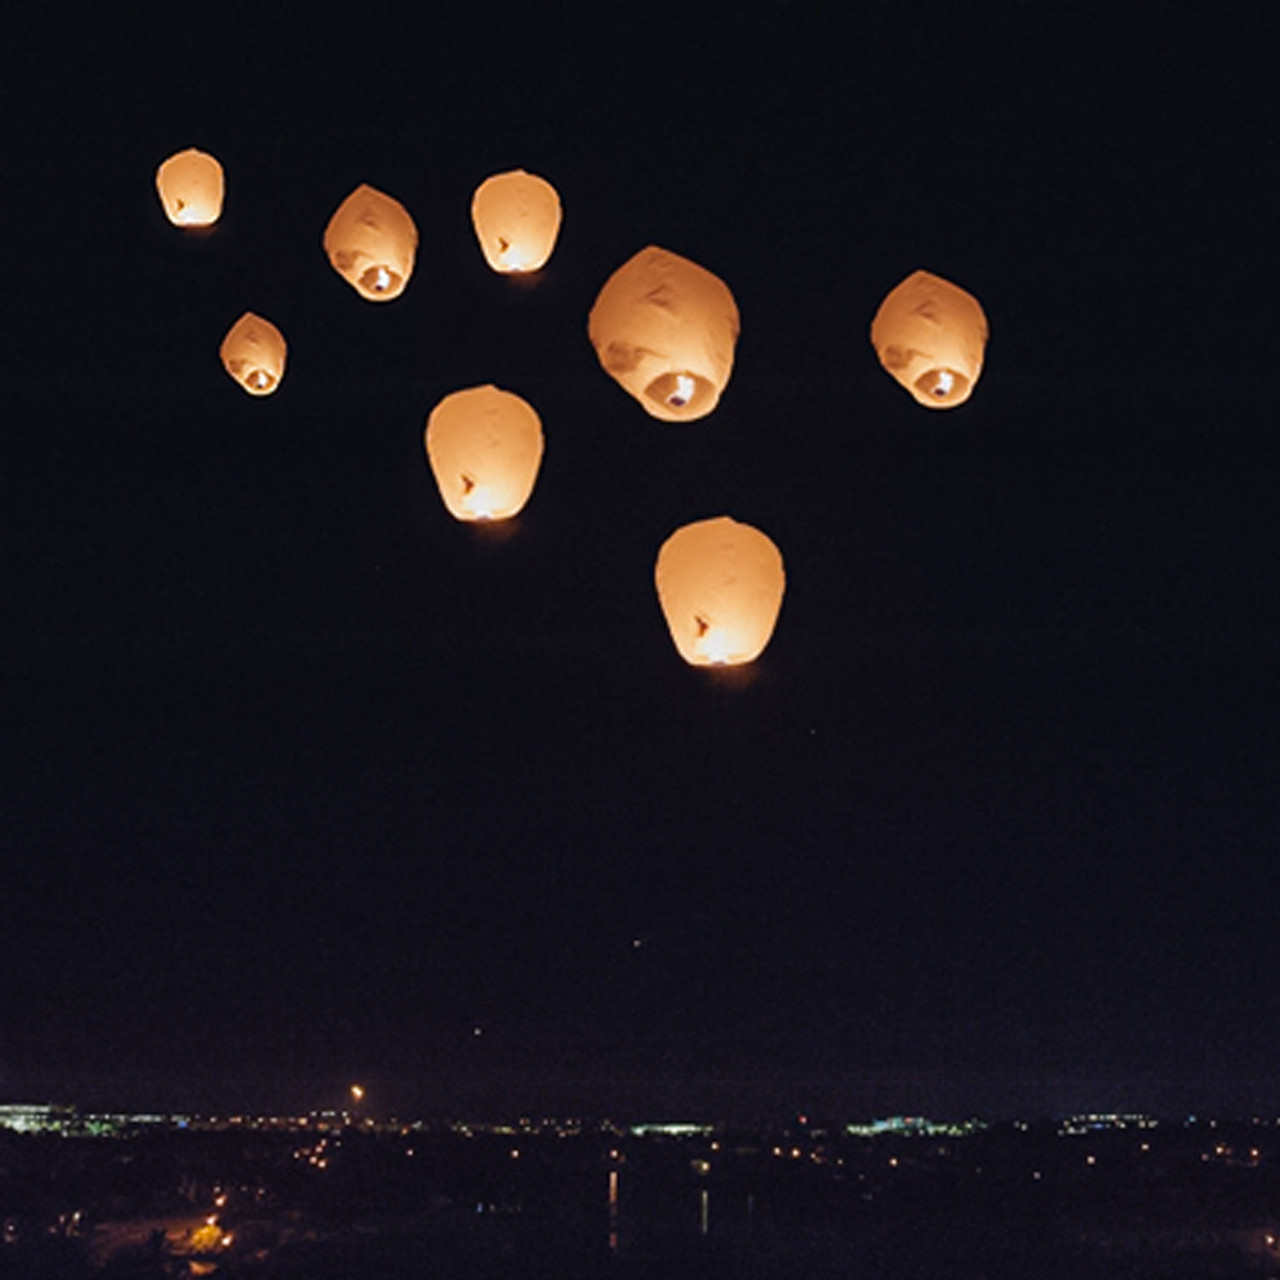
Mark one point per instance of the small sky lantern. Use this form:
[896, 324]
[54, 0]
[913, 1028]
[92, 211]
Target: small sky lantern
[664, 328]
[190, 186]
[517, 218]
[253, 354]
[930, 335]
[720, 584]
[485, 447]
[371, 242]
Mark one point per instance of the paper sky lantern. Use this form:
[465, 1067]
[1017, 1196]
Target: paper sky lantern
[517, 218]
[190, 186]
[371, 242]
[720, 584]
[930, 335]
[253, 354]
[485, 447]
[664, 328]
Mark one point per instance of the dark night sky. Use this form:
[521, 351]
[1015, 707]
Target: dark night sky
[305, 782]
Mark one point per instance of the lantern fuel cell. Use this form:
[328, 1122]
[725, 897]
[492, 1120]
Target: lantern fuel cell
[930, 336]
[253, 353]
[517, 219]
[664, 329]
[190, 185]
[485, 448]
[371, 241]
[720, 584]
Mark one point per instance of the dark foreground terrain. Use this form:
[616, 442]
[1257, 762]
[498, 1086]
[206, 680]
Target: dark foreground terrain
[1015, 1201]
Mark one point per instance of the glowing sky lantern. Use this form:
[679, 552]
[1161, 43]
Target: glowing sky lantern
[720, 584]
[485, 447]
[664, 328]
[371, 242]
[253, 353]
[190, 186]
[930, 335]
[516, 218]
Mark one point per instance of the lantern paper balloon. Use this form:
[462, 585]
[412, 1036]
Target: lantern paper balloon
[517, 218]
[253, 354]
[190, 186]
[485, 447]
[930, 335]
[720, 584]
[664, 328]
[371, 241]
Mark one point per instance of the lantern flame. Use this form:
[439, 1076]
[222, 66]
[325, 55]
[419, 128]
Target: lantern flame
[715, 645]
[479, 501]
[685, 387]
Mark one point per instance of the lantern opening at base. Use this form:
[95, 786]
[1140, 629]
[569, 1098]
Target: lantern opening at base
[371, 242]
[720, 584]
[485, 448]
[930, 336]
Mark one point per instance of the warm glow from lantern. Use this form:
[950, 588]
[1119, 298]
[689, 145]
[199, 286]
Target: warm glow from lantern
[664, 328]
[190, 186]
[371, 242]
[517, 218]
[253, 353]
[720, 584]
[485, 447]
[930, 335]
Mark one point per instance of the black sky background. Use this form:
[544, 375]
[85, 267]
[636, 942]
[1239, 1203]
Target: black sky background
[306, 782]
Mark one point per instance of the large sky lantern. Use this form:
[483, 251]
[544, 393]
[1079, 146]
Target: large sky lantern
[253, 353]
[516, 217]
[930, 335]
[371, 241]
[664, 329]
[191, 185]
[485, 447]
[720, 584]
